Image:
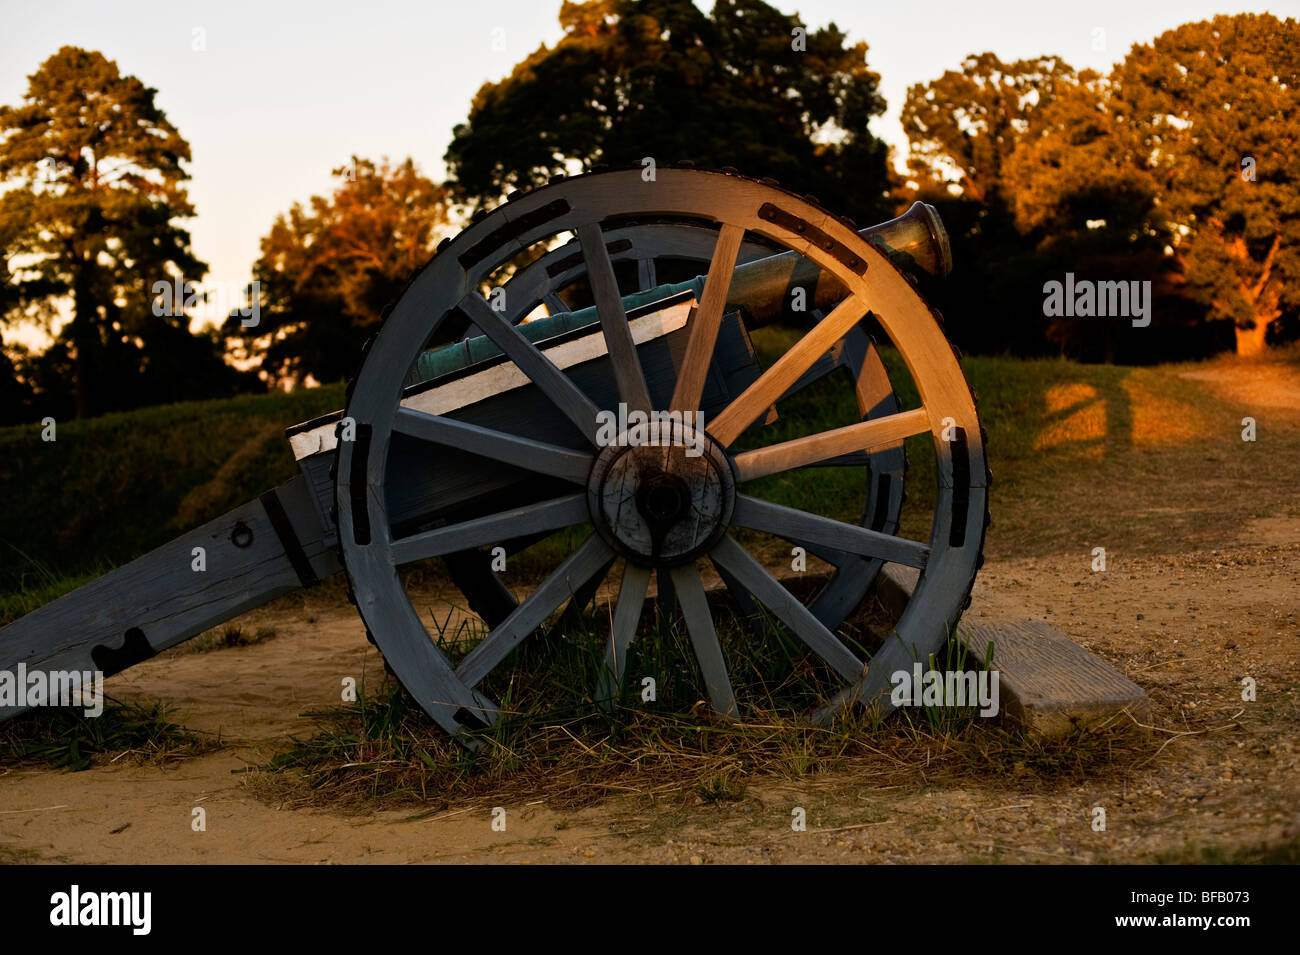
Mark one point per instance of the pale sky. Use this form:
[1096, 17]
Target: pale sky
[284, 91]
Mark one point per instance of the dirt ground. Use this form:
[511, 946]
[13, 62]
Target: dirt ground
[1187, 624]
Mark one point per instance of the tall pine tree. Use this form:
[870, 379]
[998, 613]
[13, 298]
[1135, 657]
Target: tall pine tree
[101, 184]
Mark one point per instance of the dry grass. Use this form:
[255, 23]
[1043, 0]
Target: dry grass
[555, 743]
[386, 754]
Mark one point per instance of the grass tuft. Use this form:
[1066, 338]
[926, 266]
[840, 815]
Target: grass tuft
[64, 738]
[223, 638]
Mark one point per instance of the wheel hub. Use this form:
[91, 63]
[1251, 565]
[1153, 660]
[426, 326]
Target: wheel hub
[663, 498]
[662, 504]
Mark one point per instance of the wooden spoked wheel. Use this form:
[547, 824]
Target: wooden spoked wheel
[670, 249]
[656, 508]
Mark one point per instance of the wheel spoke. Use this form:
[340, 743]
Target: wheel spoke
[564, 581]
[554, 304]
[707, 319]
[787, 369]
[507, 448]
[632, 388]
[699, 624]
[854, 459]
[863, 436]
[645, 274]
[787, 608]
[547, 516]
[553, 383]
[800, 526]
[627, 615]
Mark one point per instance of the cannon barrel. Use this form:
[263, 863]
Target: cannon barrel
[916, 242]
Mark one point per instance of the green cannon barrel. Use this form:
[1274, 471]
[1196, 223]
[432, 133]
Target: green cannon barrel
[915, 241]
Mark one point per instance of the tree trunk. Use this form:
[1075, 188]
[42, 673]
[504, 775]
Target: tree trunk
[1263, 296]
[1250, 341]
[83, 333]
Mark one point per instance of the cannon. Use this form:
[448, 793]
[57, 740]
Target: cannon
[605, 388]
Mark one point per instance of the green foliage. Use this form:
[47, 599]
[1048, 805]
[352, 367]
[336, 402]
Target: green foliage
[100, 172]
[659, 78]
[328, 271]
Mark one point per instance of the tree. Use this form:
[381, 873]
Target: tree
[746, 86]
[1212, 102]
[101, 173]
[1081, 165]
[1085, 201]
[1190, 142]
[15, 395]
[327, 271]
[969, 122]
[963, 128]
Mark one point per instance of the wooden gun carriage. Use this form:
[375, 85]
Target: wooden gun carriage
[475, 422]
